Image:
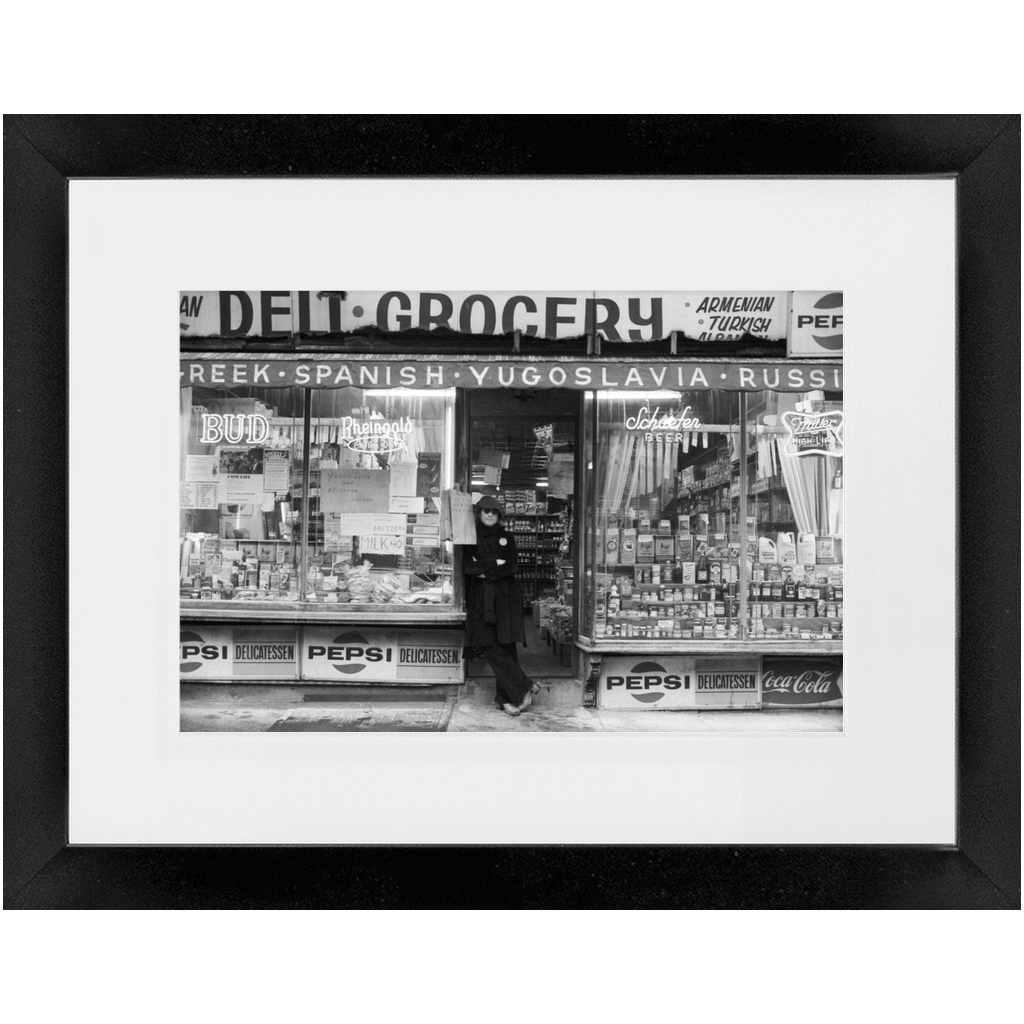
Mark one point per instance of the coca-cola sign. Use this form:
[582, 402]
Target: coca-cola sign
[802, 682]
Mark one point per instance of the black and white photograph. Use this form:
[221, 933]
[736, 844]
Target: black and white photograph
[501, 510]
[509, 541]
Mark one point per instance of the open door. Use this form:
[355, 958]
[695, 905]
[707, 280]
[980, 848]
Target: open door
[522, 446]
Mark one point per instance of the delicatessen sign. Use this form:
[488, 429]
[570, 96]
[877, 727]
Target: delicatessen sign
[327, 654]
[250, 652]
[662, 682]
[727, 682]
[350, 654]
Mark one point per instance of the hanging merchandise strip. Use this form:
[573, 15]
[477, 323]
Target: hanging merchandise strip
[440, 372]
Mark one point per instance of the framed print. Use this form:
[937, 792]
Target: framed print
[854, 726]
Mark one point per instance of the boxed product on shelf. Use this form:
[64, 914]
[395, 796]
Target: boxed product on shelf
[627, 546]
[644, 547]
[828, 550]
[664, 548]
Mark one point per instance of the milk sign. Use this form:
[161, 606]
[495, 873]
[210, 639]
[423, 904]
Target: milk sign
[802, 682]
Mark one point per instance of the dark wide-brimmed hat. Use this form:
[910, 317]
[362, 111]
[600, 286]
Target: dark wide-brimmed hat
[488, 502]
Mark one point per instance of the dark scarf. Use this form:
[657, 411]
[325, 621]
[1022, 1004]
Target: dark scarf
[487, 547]
[488, 533]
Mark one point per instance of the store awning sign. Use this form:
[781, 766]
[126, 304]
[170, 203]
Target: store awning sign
[819, 433]
[206, 370]
[612, 316]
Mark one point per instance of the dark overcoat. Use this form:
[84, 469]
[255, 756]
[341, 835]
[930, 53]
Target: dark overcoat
[486, 580]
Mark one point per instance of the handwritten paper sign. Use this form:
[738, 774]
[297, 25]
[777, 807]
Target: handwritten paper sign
[353, 524]
[463, 524]
[403, 478]
[200, 467]
[387, 525]
[370, 524]
[405, 504]
[381, 545]
[354, 490]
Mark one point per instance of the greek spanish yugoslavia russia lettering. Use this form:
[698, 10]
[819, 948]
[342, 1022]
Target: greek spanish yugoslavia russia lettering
[580, 375]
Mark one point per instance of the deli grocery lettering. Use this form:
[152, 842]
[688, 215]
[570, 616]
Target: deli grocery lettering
[613, 316]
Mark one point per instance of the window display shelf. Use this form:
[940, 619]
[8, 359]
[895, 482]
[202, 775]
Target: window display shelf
[283, 611]
[763, 645]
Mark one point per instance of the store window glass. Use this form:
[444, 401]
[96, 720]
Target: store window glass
[795, 515]
[666, 536]
[347, 513]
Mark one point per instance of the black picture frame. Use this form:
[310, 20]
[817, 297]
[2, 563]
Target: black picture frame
[42, 152]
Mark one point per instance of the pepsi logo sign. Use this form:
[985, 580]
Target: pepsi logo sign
[194, 651]
[349, 653]
[647, 682]
[817, 324]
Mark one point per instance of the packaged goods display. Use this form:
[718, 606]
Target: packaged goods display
[356, 497]
[223, 570]
[543, 538]
[681, 557]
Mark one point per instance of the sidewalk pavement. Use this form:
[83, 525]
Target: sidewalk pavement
[557, 708]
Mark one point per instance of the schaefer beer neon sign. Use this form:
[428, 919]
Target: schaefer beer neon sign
[663, 426]
[813, 433]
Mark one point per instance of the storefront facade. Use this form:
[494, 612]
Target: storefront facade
[326, 456]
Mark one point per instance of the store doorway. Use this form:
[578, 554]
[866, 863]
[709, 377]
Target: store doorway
[522, 448]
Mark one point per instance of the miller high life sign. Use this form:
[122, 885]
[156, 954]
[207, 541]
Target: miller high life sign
[813, 433]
